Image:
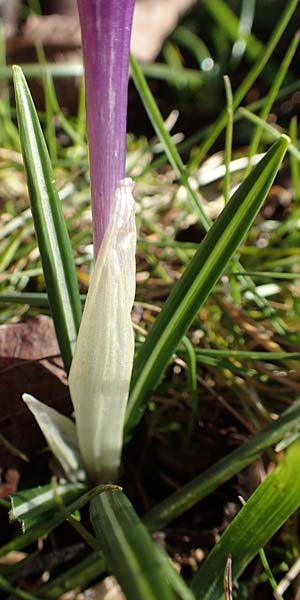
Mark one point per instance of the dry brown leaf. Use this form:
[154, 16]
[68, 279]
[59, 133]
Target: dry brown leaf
[59, 34]
[53, 30]
[28, 364]
[152, 23]
[9, 482]
[12, 558]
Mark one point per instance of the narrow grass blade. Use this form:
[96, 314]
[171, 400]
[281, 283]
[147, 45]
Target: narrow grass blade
[271, 97]
[246, 84]
[176, 581]
[55, 519]
[229, 136]
[165, 138]
[203, 485]
[53, 240]
[189, 40]
[229, 24]
[295, 168]
[79, 575]
[268, 571]
[32, 298]
[248, 354]
[50, 125]
[160, 71]
[16, 592]
[246, 20]
[205, 132]
[128, 548]
[198, 280]
[191, 358]
[274, 133]
[274, 501]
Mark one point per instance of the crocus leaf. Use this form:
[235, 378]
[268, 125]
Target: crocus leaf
[175, 580]
[13, 591]
[199, 279]
[54, 244]
[101, 368]
[207, 482]
[128, 548]
[61, 435]
[79, 575]
[55, 519]
[32, 506]
[274, 501]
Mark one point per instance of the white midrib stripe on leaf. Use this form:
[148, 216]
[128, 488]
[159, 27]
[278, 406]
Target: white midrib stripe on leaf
[41, 499]
[58, 265]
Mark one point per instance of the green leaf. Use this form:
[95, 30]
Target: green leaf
[272, 95]
[274, 501]
[198, 280]
[30, 507]
[15, 592]
[128, 548]
[61, 435]
[190, 494]
[176, 581]
[80, 575]
[53, 520]
[229, 24]
[51, 231]
[165, 138]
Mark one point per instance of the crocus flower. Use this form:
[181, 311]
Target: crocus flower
[101, 368]
[106, 29]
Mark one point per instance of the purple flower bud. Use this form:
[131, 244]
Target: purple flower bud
[106, 29]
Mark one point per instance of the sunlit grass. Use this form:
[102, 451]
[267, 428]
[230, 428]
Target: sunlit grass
[241, 357]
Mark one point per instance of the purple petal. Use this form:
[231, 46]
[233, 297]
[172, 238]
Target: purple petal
[106, 30]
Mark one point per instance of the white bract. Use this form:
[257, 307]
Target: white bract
[61, 435]
[101, 368]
